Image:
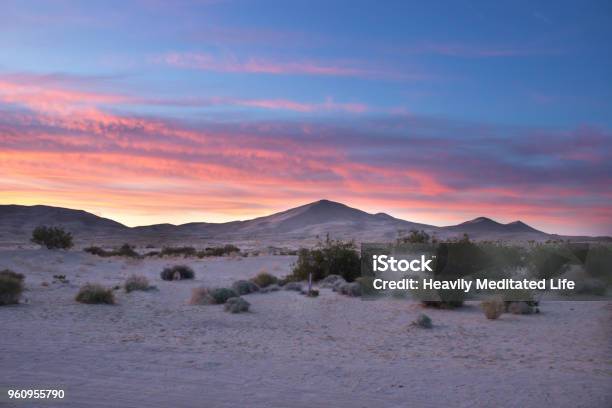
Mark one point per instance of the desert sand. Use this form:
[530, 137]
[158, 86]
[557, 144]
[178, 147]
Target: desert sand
[152, 349]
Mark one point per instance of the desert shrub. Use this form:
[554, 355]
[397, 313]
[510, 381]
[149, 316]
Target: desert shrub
[200, 296]
[52, 237]
[493, 308]
[442, 304]
[218, 251]
[126, 250]
[416, 237]
[206, 296]
[236, 305]
[329, 258]
[591, 286]
[185, 251]
[311, 293]
[330, 280]
[92, 293]
[136, 282]
[244, 287]
[271, 288]
[11, 286]
[423, 321]
[352, 289]
[519, 308]
[264, 279]
[220, 295]
[11, 274]
[177, 272]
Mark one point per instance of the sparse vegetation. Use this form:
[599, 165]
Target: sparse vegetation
[236, 305]
[493, 308]
[11, 287]
[416, 237]
[92, 293]
[178, 251]
[264, 279]
[126, 250]
[177, 272]
[328, 258]
[136, 282]
[52, 237]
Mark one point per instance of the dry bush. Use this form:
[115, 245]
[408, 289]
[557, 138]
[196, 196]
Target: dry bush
[93, 293]
[264, 279]
[136, 282]
[493, 308]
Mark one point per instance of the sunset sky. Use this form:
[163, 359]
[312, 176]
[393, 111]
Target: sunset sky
[437, 112]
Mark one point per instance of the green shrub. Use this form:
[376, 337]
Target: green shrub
[264, 279]
[244, 287]
[52, 237]
[92, 293]
[136, 282]
[236, 305]
[177, 272]
[11, 287]
[330, 258]
[219, 251]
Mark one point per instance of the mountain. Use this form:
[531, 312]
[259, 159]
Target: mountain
[486, 225]
[18, 217]
[302, 223]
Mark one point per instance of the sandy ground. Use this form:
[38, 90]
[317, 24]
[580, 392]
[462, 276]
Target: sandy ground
[154, 350]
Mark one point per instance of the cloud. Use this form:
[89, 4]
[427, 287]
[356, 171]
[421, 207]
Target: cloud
[258, 65]
[62, 146]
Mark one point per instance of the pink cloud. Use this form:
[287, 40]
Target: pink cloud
[232, 64]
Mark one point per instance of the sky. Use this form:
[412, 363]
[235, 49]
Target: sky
[436, 112]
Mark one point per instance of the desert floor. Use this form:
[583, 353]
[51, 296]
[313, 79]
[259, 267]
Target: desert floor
[154, 350]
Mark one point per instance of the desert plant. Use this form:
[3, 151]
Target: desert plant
[9, 273]
[136, 282]
[493, 308]
[178, 251]
[264, 279]
[11, 286]
[206, 296]
[52, 237]
[219, 251]
[92, 293]
[416, 237]
[236, 305]
[352, 289]
[423, 321]
[177, 272]
[295, 286]
[124, 250]
[329, 258]
[244, 287]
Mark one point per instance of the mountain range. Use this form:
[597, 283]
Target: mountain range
[301, 223]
